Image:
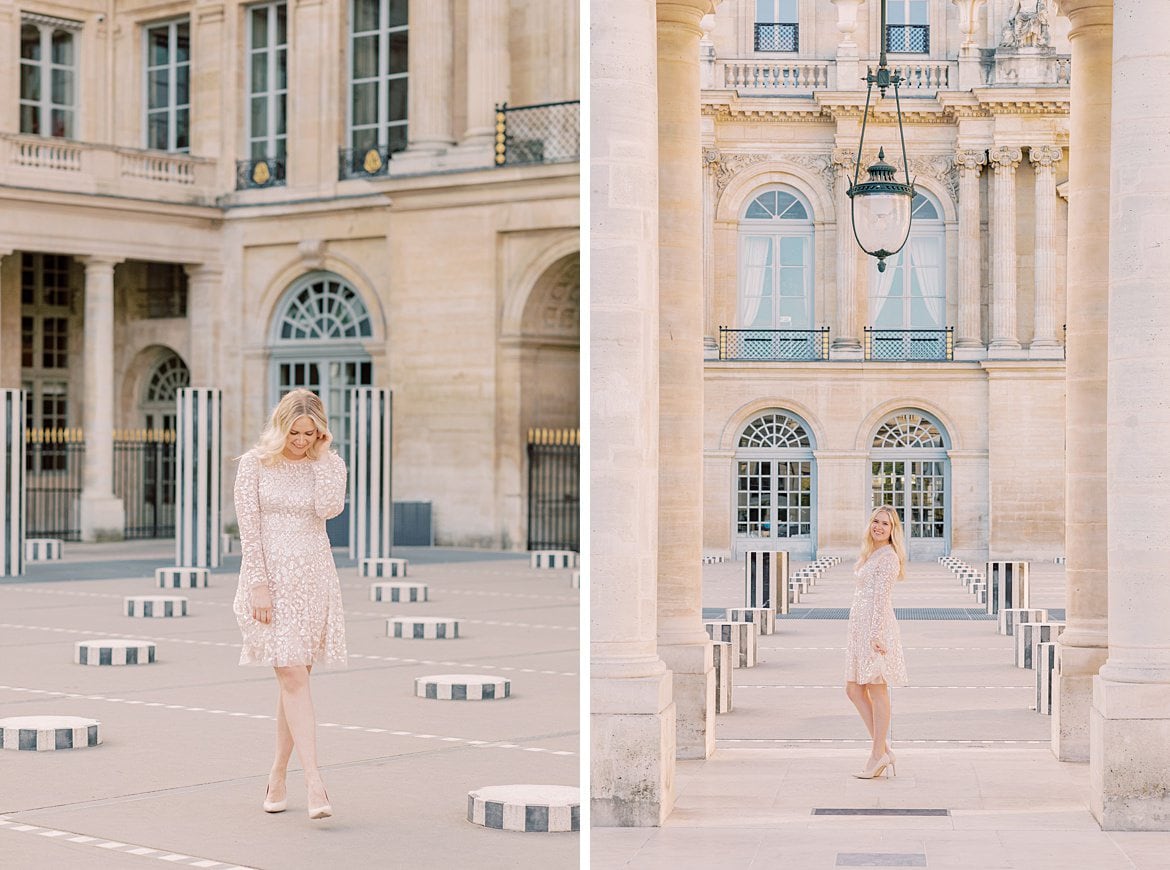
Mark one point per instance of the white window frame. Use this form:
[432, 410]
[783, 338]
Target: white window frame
[777, 229]
[920, 229]
[273, 140]
[47, 25]
[908, 7]
[172, 66]
[383, 78]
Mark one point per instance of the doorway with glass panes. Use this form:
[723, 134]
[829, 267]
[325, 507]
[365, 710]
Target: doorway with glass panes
[910, 470]
[774, 481]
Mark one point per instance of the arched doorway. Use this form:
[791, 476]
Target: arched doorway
[909, 469]
[775, 485]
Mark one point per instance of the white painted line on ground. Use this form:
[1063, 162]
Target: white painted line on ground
[924, 742]
[446, 591]
[6, 823]
[900, 688]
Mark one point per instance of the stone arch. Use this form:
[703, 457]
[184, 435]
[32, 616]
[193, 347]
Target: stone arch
[136, 381]
[744, 414]
[748, 183]
[868, 426]
[518, 289]
[296, 268]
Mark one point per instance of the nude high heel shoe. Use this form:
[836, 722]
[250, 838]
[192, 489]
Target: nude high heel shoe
[322, 812]
[274, 806]
[878, 768]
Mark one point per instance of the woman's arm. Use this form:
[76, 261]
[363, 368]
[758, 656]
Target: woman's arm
[253, 570]
[329, 485]
[885, 572]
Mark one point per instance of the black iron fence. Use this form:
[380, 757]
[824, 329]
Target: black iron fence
[364, 163]
[910, 344]
[554, 489]
[543, 133]
[908, 38]
[777, 37]
[54, 459]
[261, 172]
[144, 478]
[773, 344]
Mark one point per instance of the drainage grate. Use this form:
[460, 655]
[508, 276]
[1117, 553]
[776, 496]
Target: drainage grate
[878, 811]
[912, 613]
[881, 859]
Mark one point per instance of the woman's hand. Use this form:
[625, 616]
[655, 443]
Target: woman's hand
[261, 600]
[325, 439]
[879, 647]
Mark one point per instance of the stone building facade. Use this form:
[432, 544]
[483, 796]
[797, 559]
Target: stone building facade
[257, 196]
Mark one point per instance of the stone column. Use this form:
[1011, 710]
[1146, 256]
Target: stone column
[429, 85]
[682, 642]
[1004, 343]
[100, 510]
[846, 344]
[203, 310]
[1083, 643]
[1129, 722]
[631, 712]
[969, 340]
[1044, 344]
[487, 71]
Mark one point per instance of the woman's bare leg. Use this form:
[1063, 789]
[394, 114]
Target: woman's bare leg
[297, 704]
[879, 699]
[284, 748]
[860, 698]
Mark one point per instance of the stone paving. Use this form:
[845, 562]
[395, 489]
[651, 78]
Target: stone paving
[968, 742]
[187, 742]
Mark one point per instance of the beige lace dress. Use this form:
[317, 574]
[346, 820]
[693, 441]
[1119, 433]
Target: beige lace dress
[872, 617]
[281, 510]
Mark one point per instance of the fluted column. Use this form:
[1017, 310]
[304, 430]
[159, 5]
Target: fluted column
[969, 164]
[430, 85]
[631, 712]
[100, 510]
[682, 642]
[846, 343]
[1044, 343]
[1129, 724]
[1004, 342]
[487, 70]
[1083, 643]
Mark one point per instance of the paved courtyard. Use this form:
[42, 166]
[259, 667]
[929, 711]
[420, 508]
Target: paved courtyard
[187, 741]
[968, 742]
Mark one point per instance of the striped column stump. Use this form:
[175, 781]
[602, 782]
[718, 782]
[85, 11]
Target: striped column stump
[1059, 560]
[713, 560]
[721, 654]
[422, 627]
[1007, 585]
[763, 617]
[154, 606]
[979, 590]
[181, 578]
[527, 808]
[793, 595]
[47, 733]
[1028, 634]
[382, 567]
[765, 572]
[398, 593]
[1010, 617]
[43, 549]
[113, 652]
[462, 687]
[742, 636]
[575, 580]
[552, 559]
[227, 545]
[1047, 661]
[801, 583]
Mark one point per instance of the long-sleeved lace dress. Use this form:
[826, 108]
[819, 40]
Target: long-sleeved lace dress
[281, 510]
[872, 617]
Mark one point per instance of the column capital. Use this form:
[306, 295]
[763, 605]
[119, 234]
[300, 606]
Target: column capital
[1086, 13]
[1045, 155]
[203, 271]
[98, 262]
[970, 160]
[686, 12]
[1005, 157]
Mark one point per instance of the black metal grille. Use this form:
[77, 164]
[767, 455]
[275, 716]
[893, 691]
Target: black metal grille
[544, 133]
[144, 478]
[266, 172]
[777, 37]
[554, 489]
[368, 163]
[910, 344]
[773, 344]
[54, 459]
[908, 38]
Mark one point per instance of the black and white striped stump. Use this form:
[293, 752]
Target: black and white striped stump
[1010, 617]
[422, 627]
[1007, 585]
[371, 441]
[1047, 667]
[113, 652]
[527, 808]
[43, 549]
[154, 606]
[801, 583]
[47, 733]
[765, 572]
[793, 594]
[1028, 634]
[1059, 560]
[575, 580]
[398, 593]
[382, 567]
[742, 637]
[552, 559]
[198, 476]
[12, 503]
[764, 617]
[979, 590]
[713, 560]
[721, 654]
[181, 578]
[462, 687]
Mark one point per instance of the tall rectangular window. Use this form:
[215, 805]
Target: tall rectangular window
[908, 27]
[777, 27]
[378, 73]
[267, 81]
[48, 76]
[168, 86]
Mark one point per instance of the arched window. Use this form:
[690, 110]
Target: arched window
[161, 390]
[910, 471]
[912, 292]
[774, 472]
[776, 263]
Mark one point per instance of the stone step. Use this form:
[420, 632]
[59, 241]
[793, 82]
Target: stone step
[462, 687]
[398, 593]
[154, 606]
[527, 808]
[422, 627]
[48, 733]
[114, 652]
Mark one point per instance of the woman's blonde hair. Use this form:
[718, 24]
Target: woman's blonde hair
[297, 404]
[897, 541]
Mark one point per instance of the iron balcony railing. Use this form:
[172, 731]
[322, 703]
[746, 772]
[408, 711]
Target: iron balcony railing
[367, 163]
[260, 172]
[544, 133]
[775, 36]
[908, 38]
[910, 344]
[773, 345]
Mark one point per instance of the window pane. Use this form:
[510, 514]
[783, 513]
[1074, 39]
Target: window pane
[398, 10]
[364, 140]
[398, 52]
[183, 43]
[183, 85]
[157, 88]
[365, 57]
[396, 101]
[62, 87]
[260, 27]
[757, 210]
[62, 48]
[259, 149]
[182, 135]
[764, 11]
[282, 24]
[30, 82]
[62, 123]
[259, 117]
[396, 138]
[259, 72]
[30, 120]
[282, 69]
[281, 147]
[365, 15]
[792, 251]
[156, 126]
[281, 121]
[159, 42]
[365, 104]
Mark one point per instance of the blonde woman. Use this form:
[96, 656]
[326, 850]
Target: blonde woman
[288, 603]
[873, 650]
